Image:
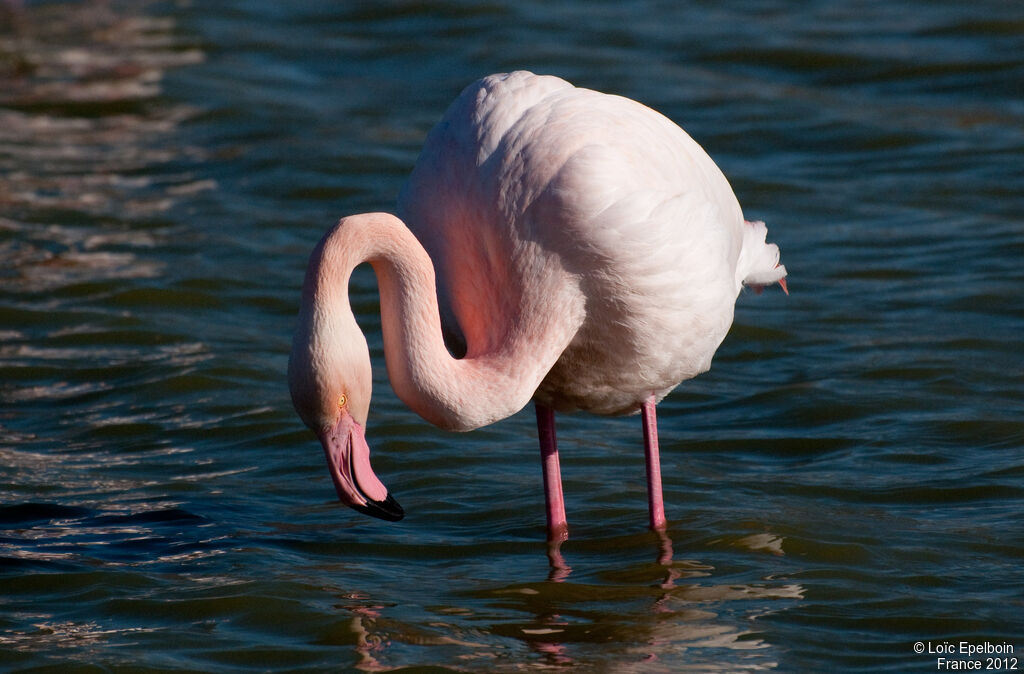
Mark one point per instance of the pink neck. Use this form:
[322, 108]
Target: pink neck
[456, 394]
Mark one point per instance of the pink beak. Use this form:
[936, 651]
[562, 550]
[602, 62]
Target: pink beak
[348, 460]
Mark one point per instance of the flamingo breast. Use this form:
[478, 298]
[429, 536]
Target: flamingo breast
[543, 203]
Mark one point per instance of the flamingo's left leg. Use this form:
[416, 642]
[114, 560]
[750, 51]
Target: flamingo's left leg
[655, 502]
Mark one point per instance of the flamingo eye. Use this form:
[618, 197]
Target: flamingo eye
[342, 400]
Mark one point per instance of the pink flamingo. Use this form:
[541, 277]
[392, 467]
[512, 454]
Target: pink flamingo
[558, 244]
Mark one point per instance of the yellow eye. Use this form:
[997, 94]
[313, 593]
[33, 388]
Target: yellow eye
[342, 400]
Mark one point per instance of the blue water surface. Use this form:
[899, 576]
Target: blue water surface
[847, 480]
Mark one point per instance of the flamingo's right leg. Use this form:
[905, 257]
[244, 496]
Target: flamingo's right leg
[558, 528]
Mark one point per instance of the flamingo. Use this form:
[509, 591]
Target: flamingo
[553, 244]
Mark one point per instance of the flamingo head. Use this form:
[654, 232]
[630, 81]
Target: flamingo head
[330, 381]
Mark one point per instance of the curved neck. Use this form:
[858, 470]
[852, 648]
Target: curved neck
[456, 394]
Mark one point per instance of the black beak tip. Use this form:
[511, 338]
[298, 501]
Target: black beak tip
[388, 509]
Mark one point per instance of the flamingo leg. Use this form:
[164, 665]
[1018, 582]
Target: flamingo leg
[655, 502]
[558, 528]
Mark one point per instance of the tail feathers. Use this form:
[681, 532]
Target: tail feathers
[758, 264]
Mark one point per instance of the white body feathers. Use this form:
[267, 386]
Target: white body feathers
[590, 219]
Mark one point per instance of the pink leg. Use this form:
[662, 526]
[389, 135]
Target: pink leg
[655, 503]
[558, 528]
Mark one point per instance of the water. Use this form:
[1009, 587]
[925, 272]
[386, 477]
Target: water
[847, 480]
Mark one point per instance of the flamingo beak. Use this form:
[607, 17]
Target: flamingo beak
[348, 460]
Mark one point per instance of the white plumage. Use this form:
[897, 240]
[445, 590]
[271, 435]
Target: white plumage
[594, 208]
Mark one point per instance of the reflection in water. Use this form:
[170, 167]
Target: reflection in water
[669, 617]
[684, 618]
[664, 548]
[366, 645]
[560, 570]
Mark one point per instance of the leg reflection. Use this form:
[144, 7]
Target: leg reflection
[554, 653]
[367, 643]
[665, 558]
[559, 569]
